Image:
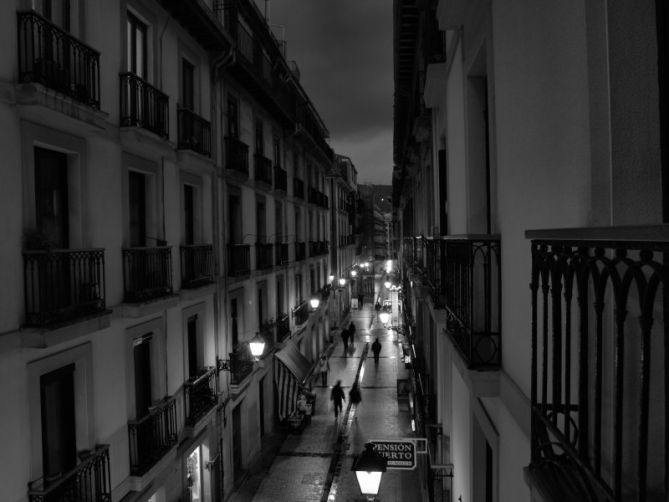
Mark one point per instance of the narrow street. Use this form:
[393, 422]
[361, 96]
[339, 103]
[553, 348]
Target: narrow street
[315, 464]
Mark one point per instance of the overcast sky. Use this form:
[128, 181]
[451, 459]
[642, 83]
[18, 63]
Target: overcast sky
[343, 49]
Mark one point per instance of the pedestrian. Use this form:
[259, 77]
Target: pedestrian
[351, 332]
[376, 349]
[355, 397]
[323, 368]
[337, 397]
[344, 338]
[361, 298]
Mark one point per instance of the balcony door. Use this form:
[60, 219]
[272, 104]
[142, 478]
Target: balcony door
[142, 361]
[193, 346]
[189, 215]
[58, 422]
[137, 209]
[187, 85]
[51, 197]
[136, 47]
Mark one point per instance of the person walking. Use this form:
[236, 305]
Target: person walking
[351, 333]
[323, 368]
[344, 338]
[361, 302]
[376, 349]
[337, 397]
[355, 397]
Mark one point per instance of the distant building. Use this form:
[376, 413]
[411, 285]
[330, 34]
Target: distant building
[375, 214]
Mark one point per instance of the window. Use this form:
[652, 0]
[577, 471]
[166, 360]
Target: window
[234, 321]
[189, 215]
[278, 222]
[298, 288]
[277, 151]
[137, 51]
[51, 196]
[142, 363]
[187, 85]
[280, 306]
[260, 137]
[235, 217]
[137, 208]
[58, 12]
[233, 117]
[192, 346]
[261, 223]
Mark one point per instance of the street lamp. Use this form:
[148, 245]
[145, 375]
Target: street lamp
[387, 284]
[342, 282]
[369, 466]
[384, 317]
[314, 302]
[354, 273]
[257, 346]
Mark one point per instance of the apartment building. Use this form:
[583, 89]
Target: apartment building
[530, 195]
[144, 248]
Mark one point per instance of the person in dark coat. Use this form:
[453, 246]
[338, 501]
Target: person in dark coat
[337, 397]
[355, 397]
[376, 349]
[351, 332]
[344, 338]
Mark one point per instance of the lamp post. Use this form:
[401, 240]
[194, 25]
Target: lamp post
[257, 346]
[384, 317]
[369, 466]
[314, 302]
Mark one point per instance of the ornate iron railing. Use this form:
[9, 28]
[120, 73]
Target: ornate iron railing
[599, 363]
[142, 105]
[300, 251]
[54, 58]
[147, 273]
[63, 284]
[152, 436]
[200, 396]
[466, 271]
[197, 265]
[237, 155]
[239, 259]
[281, 254]
[263, 169]
[241, 365]
[298, 188]
[264, 256]
[194, 132]
[301, 313]
[280, 179]
[89, 481]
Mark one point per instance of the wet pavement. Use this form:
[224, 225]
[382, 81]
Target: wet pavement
[315, 464]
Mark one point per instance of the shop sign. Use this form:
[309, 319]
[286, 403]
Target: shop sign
[400, 453]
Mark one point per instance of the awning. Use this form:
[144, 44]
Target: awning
[290, 374]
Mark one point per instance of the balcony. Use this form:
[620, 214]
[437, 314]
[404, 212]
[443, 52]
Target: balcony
[263, 169]
[301, 313]
[152, 436]
[314, 196]
[298, 188]
[599, 363]
[241, 366]
[237, 156]
[239, 259]
[300, 251]
[200, 396]
[88, 481]
[52, 57]
[281, 254]
[194, 132]
[197, 265]
[63, 285]
[264, 256]
[147, 273]
[280, 179]
[142, 105]
[464, 276]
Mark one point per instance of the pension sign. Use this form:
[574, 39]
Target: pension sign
[400, 453]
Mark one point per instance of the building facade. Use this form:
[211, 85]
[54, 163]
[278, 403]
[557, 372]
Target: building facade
[145, 246]
[530, 149]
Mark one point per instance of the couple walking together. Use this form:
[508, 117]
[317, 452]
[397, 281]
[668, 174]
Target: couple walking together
[337, 397]
[348, 337]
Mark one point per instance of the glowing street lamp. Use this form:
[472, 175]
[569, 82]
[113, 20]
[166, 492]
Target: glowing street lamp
[369, 466]
[342, 282]
[330, 279]
[387, 284]
[354, 273]
[384, 317]
[314, 302]
[257, 346]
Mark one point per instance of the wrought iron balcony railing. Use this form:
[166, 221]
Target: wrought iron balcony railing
[142, 105]
[300, 251]
[147, 273]
[281, 254]
[599, 363]
[264, 256]
[52, 57]
[90, 480]
[63, 285]
[200, 396]
[263, 169]
[465, 277]
[152, 436]
[241, 364]
[194, 132]
[301, 313]
[239, 259]
[197, 265]
[280, 179]
[298, 188]
[237, 155]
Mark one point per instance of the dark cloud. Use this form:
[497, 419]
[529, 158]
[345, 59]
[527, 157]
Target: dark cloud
[343, 49]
